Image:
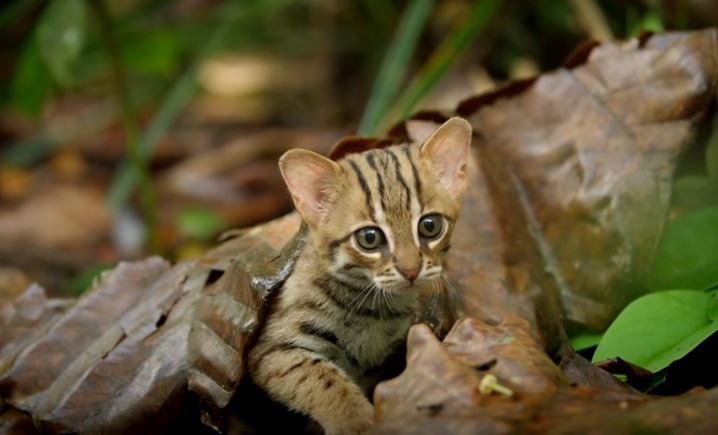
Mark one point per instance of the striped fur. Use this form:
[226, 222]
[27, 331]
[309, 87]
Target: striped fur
[344, 310]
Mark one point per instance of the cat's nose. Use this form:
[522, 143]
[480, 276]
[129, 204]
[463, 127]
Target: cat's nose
[409, 274]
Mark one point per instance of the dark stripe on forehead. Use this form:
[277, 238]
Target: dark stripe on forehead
[370, 159]
[399, 177]
[365, 188]
[415, 172]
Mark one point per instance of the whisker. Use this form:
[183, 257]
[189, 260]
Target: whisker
[375, 302]
[366, 292]
[389, 298]
[449, 284]
[454, 296]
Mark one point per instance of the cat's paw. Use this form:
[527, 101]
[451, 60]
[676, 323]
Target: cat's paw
[356, 420]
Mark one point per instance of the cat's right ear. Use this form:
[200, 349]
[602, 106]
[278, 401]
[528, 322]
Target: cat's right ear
[447, 150]
[310, 178]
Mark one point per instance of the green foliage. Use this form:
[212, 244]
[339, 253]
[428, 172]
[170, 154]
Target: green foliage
[659, 328]
[394, 67]
[85, 279]
[200, 223]
[585, 340]
[687, 256]
[696, 191]
[156, 51]
[396, 61]
[446, 55]
[649, 21]
[60, 35]
[662, 327]
[172, 105]
[32, 84]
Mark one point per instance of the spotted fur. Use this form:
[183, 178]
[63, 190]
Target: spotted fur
[345, 309]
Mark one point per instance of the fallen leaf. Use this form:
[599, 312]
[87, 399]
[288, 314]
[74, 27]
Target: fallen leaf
[59, 217]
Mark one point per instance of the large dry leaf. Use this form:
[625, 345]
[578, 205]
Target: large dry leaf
[570, 183]
[441, 391]
[571, 180]
[133, 347]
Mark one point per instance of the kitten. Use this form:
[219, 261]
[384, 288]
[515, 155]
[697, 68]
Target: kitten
[379, 224]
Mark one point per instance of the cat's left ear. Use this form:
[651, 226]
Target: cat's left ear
[310, 178]
[447, 151]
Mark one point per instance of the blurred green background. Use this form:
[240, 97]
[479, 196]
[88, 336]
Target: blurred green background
[130, 127]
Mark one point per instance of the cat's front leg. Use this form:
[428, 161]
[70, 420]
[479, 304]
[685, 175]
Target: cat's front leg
[309, 383]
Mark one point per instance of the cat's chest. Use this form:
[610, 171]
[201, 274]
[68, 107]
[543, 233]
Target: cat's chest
[369, 341]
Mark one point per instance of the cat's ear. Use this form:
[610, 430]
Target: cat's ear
[447, 151]
[310, 178]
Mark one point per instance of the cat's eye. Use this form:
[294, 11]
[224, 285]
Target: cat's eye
[430, 226]
[369, 238]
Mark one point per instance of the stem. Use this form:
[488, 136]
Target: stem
[395, 64]
[444, 57]
[138, 160]
[178, 97]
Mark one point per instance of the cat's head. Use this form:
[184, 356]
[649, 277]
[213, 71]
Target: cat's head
[383, 216]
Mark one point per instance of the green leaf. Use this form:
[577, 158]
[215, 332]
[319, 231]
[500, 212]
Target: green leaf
[687, 256]
[394, 66]
[85, 279]
[659, 328]
[581, 336]
[585, 341]
[713, 306]
[31, 83]
[200, 223]
[152, 52]
[61, 35]
[693, 192]
[649, 22]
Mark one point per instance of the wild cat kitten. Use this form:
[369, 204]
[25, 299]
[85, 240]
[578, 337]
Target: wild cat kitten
[379, 224]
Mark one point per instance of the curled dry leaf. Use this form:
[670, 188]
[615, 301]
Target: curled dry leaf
[439, 392]
[580, 371]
